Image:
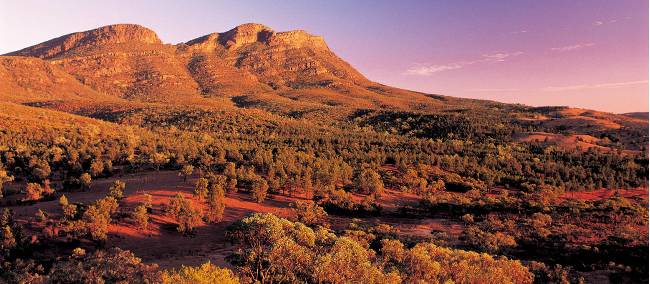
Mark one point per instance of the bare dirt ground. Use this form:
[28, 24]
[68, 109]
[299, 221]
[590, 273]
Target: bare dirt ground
[162, 244]
[639, 194]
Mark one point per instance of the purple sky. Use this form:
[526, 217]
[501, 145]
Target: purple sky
[591, 54]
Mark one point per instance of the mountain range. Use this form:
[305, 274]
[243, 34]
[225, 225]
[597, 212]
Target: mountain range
[120, 68]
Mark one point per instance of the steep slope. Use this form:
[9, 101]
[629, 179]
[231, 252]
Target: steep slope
[298, 65]
[32, 80]
[113, 34]
[127, 61]
[285, 59]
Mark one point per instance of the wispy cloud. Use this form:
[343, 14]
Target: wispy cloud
[595, 86]
[572, 47]
[494, 90]
[519, 32]
[500, 57]
[611, 21]
[426, 70]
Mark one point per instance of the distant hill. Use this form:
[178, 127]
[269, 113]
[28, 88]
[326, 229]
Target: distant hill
[639, 115]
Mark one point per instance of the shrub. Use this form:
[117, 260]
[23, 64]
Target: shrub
[309, 213]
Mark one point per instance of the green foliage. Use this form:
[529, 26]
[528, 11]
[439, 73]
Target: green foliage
[207, 273]
[277, 250]
[309, 213]
[4, 178]
[116, 190]
[216, 202]
[97, 217]
[428, 263]
[185, 213]
[33, 192]
[201, 188]
[85, 180]
[69, 210]
[488, 242]
[260, 189]
[369, 182]
[186, 171]
[110, 266]
[141, 217]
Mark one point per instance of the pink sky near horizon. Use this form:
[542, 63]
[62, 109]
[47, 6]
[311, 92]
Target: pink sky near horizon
[590, 54]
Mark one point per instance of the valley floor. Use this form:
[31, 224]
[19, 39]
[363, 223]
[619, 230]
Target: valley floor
[163, 245]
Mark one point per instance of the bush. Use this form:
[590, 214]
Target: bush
[207, 273]
[309, 213]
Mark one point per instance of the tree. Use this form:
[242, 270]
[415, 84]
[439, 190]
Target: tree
[349, 262]
[309, 213]
[231, 184]
[201, 188]
[216, 203]
[230, 170]
[260, 189]
[186, 171]
[96, 222]
[47, 188]
[116, 190]
[97, 217]
[159, 159]
[147, 201]
[7, 240]
[488, 242]
[103, 266]
[85, 181]
[369, 182]
[186, 214]
[207, 273]
[97, 167]
[4, 178]
[40, 169]
[33, 192]
[141, 217]
[69, 210]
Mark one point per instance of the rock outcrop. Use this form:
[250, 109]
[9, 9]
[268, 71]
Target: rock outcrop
[293, 59]
[113, 34]
[292, 68]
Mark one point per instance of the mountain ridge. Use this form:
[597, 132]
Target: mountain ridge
[291, 73]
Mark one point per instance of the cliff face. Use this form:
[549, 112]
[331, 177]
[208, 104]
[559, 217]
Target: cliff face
[112, 34]
[292, 59]
[292, 68]
[127, 61]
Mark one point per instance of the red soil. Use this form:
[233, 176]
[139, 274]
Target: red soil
[636, 194]
[162, 244]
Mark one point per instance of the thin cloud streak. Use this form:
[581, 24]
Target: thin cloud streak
[594, 86]
[572, 47]
[606, 22]
[426, 70]
[488, 90]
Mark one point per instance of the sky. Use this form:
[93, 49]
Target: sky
[582, 53]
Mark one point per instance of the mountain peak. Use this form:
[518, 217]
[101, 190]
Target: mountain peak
[245, 34]
[112, 34]
[257, 33]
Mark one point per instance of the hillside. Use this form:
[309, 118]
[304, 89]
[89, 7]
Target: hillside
[268, 155]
